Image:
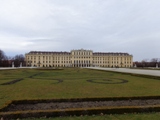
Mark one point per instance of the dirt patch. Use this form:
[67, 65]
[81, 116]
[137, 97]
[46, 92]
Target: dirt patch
[84, 104]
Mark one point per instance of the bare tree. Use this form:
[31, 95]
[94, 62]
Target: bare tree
[2, 57]
[144, 62]
[18, 59]
[155, 60]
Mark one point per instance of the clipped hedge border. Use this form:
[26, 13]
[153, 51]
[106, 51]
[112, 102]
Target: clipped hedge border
[78, 111]
[34, 101]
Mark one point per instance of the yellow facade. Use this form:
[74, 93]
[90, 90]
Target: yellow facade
[78, 58]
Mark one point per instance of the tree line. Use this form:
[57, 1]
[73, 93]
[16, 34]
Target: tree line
[6, 61]
[148, 63]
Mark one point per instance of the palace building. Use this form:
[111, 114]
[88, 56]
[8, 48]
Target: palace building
[78, 58]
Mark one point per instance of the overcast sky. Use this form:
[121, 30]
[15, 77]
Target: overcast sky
[131, 26]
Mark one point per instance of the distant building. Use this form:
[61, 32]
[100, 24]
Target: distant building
[78, 58]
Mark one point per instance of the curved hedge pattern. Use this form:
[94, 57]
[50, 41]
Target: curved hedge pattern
[109, 81]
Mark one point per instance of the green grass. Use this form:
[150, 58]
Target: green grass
[74, 85]
[146, 116]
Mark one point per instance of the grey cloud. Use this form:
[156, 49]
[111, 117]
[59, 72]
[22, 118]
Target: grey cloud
[100, 25]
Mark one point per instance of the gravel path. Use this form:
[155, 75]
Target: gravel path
[88, 104]
[127, 70]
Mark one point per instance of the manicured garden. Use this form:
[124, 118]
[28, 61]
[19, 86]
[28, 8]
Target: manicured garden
[28, 84]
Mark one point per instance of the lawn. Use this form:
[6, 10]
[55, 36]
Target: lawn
[73, 83]
[147, 116]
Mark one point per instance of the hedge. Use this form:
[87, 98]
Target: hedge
[78, 111]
